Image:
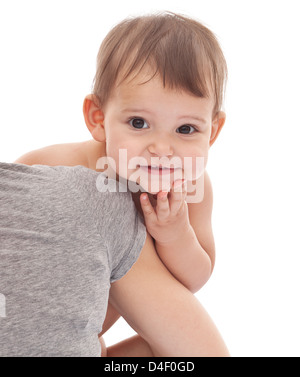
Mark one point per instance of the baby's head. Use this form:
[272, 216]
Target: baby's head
[158, 78]
[184, 53]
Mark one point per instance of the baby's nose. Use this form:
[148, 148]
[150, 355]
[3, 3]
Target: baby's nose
[161, 147]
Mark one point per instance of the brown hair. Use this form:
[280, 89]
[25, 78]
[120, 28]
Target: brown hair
[182, 51]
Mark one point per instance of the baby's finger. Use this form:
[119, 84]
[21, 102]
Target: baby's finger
[147, 208]
[162, 208]
[178, 195]
[184, 190]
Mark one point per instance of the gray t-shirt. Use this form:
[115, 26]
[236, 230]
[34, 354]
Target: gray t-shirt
[62, 243]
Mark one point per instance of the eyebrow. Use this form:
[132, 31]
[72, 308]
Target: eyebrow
[136, 111]
[194, 117]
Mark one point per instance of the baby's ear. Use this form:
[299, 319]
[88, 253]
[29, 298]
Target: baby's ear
[217, 125]
[94, 117]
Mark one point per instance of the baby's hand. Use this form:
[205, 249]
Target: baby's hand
[170, 219]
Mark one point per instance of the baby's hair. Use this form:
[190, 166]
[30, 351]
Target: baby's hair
[185, 54]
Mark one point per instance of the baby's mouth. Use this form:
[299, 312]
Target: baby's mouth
[161, 170]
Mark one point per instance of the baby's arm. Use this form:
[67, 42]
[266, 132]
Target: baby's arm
[166, 315]
[71, 154]
[183, 235]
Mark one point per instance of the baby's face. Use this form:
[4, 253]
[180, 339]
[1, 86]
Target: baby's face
[164, 134]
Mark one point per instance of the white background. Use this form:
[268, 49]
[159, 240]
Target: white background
[48, 55]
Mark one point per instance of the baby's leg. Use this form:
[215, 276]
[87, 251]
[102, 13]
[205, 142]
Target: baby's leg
[111, 317]
[132, 347]
[135, 346]
[103, 347]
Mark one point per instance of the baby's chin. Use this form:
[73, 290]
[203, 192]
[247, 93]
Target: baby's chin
[151, 188]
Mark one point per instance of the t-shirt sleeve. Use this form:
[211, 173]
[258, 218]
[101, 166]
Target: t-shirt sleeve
[123, 231]
[125, 235]
[119, 225]
[125, 246]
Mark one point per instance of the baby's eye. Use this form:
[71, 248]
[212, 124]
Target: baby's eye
[138, 123]
[186, 129]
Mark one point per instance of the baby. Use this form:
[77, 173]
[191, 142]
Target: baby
[156, 102]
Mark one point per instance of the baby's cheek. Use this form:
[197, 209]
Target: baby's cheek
[194, 167]
[118, 155]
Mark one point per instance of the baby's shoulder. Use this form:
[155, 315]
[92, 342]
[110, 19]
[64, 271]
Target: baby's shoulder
[70, 154]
